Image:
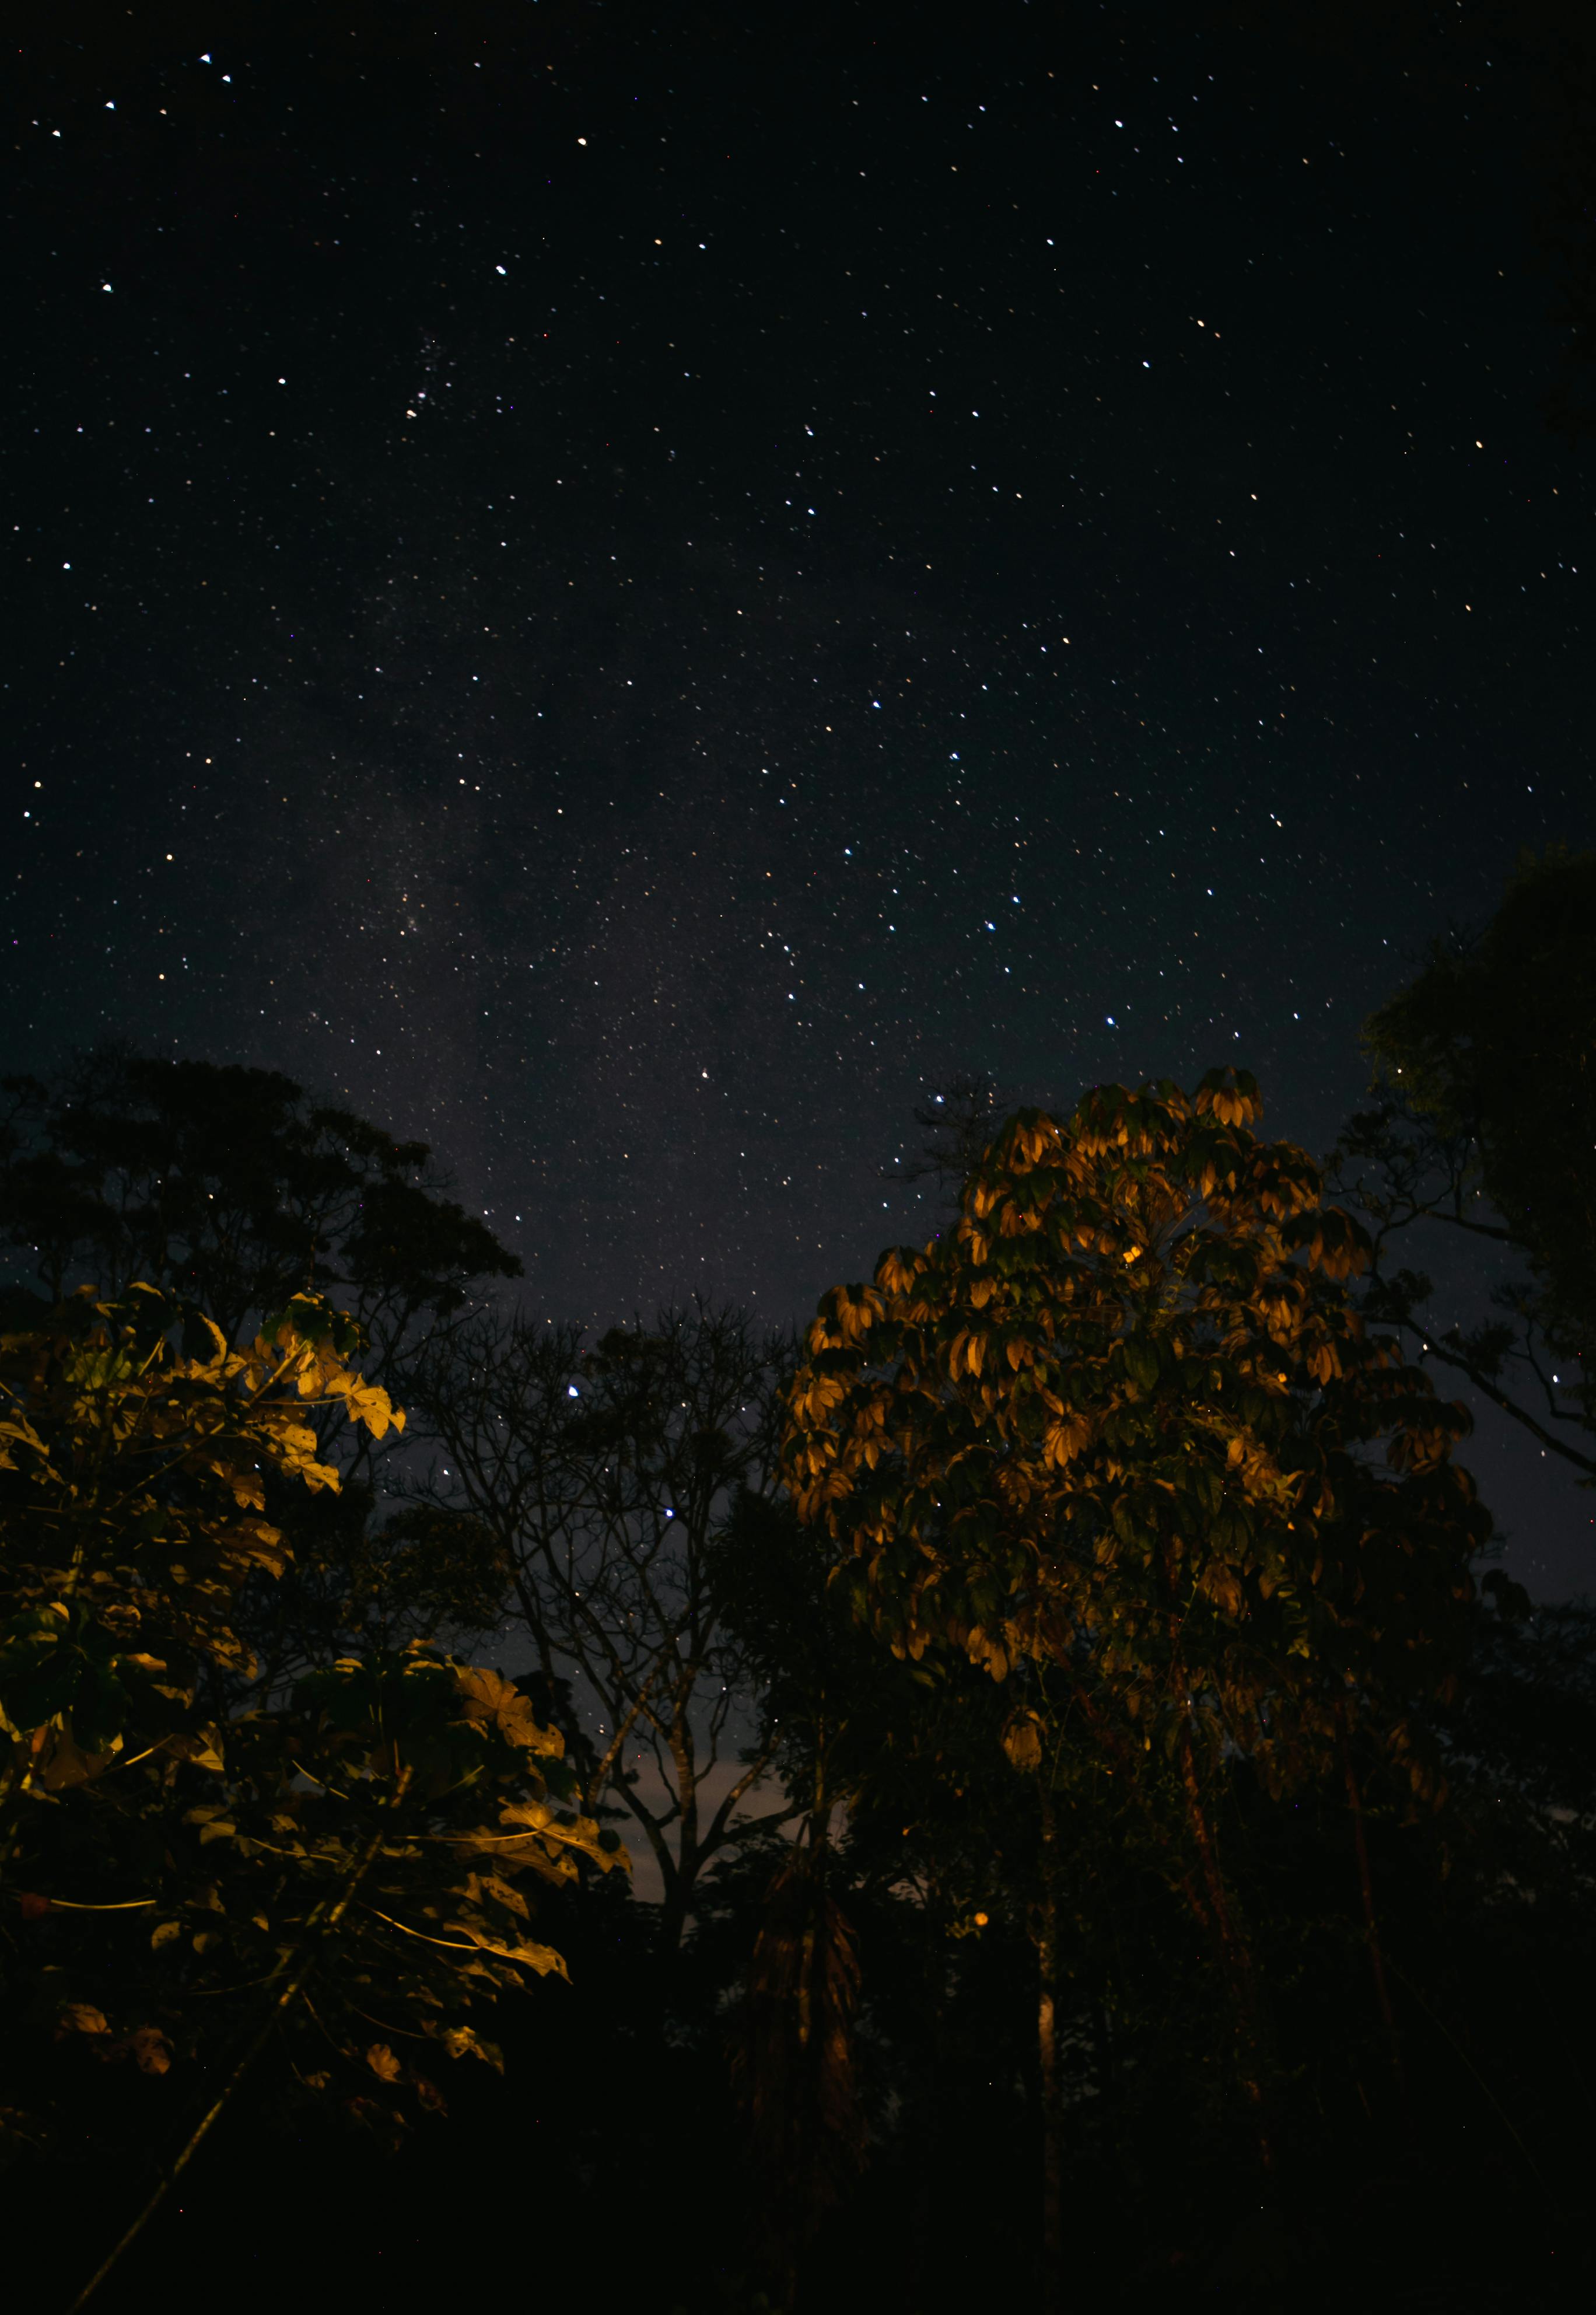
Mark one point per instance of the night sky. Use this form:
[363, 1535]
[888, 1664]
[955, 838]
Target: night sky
[629, 591]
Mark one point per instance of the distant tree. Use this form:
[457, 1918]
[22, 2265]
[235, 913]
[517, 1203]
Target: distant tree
[604, 1475]
[956, 1122]
[232, 1188]
[1484, 1128]
[816, 1705]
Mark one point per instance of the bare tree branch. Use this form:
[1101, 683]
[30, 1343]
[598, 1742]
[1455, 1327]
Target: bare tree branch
[606, 1472]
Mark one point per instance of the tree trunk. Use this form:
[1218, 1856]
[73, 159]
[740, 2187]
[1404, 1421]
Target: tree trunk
[674, 1909]
[1235, 1956]
[1377, 1960]
[1047, 2052]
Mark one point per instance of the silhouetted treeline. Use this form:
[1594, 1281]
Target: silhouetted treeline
[1110, 1828]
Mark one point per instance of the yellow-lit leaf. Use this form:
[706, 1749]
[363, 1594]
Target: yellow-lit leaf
[151, 2050]
[82, 2017]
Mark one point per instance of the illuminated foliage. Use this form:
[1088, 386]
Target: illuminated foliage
[235, 1191]
[1121, 1419]
[132, 1492]
[348, 1864]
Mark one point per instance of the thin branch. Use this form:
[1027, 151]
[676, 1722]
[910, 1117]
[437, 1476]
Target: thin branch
[718, 1824]
[1499, 1398]
[125, 1906]
[455, 1945]
[316, 1935]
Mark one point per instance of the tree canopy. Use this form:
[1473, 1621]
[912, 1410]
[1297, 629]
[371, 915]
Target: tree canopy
[233, 1188]
[1120, 1417]
[1090, 1778]
[1483, 1127]
[346, 1862]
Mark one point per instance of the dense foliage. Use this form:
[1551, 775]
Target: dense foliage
[1112, 1831]
[1119, 1415]
[230, 1187]
[1484, 1132]
[340, 1865]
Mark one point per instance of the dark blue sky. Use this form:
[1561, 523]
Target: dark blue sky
[628, 601]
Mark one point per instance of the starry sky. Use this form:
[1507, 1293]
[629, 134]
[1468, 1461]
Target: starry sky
[629, 591]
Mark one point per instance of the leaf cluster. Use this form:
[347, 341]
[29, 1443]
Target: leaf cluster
[1122, 1419]
[231, 1189]
[1486, 1121]
[132, 1506]
[171, 1871]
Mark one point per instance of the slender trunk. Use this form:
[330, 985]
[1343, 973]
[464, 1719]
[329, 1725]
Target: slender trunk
[1111, 2087]
[689, 1855]
[677, 1904]
[1377, 1960]
[319, 1932]
[1234, 1954]
[1047, 2052]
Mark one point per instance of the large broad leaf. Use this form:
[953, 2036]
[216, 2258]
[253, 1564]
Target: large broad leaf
[487, 1696]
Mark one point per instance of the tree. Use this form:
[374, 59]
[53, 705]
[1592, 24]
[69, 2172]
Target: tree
[605, 1476]
[1485, 1128]
[1119, 1422]
[938, 1814]
[132, 1494]
[937, 1867]
[230, 1188]
[814, 1684]
[181, 1882]
[957, 1123]
[794, 2058]
[363, 1579]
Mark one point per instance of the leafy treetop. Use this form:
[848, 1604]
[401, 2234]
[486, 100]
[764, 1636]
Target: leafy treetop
[132, 1510]
[229, 1186]
[1120, 1418]
[1491, 1046]
[346, 1861]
